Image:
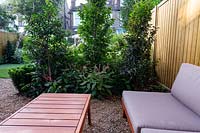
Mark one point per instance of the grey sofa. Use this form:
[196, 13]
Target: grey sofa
[178, 110]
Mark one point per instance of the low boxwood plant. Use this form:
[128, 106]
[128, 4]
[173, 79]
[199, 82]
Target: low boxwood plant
[22, 76]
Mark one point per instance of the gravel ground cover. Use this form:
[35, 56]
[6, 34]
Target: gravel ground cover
[106, 114]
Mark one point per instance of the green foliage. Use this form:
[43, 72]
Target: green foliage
[97, 81]
[126, 10]
[116, 49]
[47, 45]
[26, 54]
[1, 60]
[103, 65]
[22, 76]
[95, 30]
[138, 65]
[9, 53]
[68, 82]
[18, 56]
[76, 55]
[29, 7]
[128, 7]
[6, 20]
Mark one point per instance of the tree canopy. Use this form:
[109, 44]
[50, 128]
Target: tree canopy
[95, 29]
[29, 7]
[7, 20]
[128, 7]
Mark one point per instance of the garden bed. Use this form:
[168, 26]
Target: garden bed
[106, 114]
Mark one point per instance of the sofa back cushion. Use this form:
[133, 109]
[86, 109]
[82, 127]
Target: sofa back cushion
[186, 87]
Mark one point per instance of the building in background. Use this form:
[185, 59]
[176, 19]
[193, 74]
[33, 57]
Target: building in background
[114, 4]
[64, 14]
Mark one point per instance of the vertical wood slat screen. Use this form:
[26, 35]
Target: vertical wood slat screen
[4, 37]
[178, 37]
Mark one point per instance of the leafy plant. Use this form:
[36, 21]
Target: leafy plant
[29, 7]
[1, 60]
[18, 56]
[9, 53]
[22, 76]
[138, 65]
[97, 81]
[68, 82]
[95, 30]
[126, 10]
[47, 45]
[6, 20]
[26, 54]
[128, 7]
[116, 49]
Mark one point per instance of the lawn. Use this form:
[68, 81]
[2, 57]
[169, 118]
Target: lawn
[5, 67]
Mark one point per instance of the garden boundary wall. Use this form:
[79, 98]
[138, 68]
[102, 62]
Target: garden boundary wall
[178, 37]
[4, 37]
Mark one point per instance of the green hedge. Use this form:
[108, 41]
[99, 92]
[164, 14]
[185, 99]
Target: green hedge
[22, 76]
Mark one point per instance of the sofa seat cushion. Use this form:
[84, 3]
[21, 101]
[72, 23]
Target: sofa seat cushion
[159, 111]
[147, 130]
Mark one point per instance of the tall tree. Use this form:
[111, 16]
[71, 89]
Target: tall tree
[6, 20]
[95, 29]
[126, 10]
[128, 7]
[29, 7]
[47, 42]
[138, 66]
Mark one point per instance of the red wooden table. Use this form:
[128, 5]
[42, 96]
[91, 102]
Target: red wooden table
[50, 113]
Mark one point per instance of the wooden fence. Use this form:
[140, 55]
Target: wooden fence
[4, 37]
[178, 36]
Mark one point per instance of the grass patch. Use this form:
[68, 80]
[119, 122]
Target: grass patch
[5, 67]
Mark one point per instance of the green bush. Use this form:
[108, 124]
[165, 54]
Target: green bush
[18, 56]
[137, 64]
[47, 44]
[96, 81]
[95, 30]
[9, 53]
[67, 82]
[116, 49]
[22, 76]
[1, 60]
[26, 54]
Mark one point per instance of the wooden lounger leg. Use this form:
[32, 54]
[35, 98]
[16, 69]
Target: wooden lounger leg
[123, 109]
[89, 116]
[124, 114]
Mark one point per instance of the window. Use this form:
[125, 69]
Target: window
[76, 19]
[121, 2]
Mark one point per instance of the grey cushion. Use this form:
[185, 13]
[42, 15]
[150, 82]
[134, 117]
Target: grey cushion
[159, 111]
[146, 130]
[186, 87]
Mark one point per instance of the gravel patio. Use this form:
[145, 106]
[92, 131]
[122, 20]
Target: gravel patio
[106, 114]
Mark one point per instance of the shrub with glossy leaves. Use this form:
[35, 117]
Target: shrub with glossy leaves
[95, 30]
[138, 65]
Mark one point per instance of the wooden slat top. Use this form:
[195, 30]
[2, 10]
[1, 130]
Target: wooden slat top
[49, 113]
